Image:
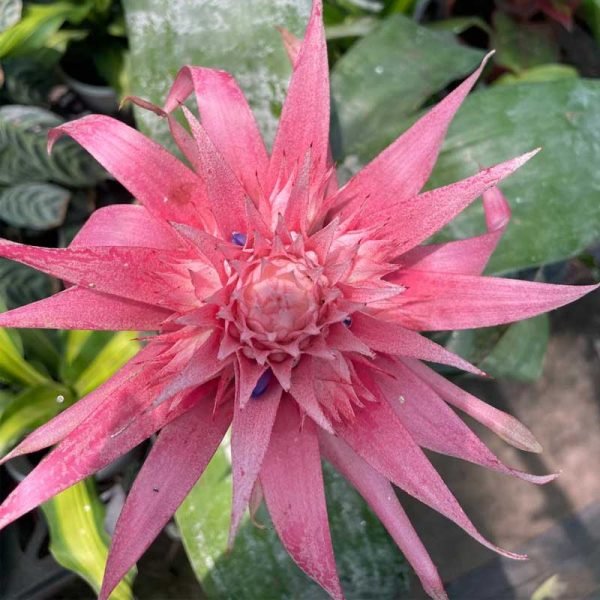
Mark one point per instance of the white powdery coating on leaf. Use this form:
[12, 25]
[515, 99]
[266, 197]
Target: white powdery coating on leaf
[214, 33]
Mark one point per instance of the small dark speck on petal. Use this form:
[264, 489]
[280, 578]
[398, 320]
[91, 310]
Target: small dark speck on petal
[155, 489]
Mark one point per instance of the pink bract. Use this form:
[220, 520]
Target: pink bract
[287, 308]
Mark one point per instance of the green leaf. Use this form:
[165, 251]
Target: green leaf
[21, 285]
[386, 76]
[29, 80]
[77, 538]
[110, 62]
[24, 156]
[13, 367]
[80, 349]
[239, 37]
[554, 198]
[551, 72]
[520, 45]
[38, 24]
[513, 352]
[10, 13]
[590, 9]
[401, 6]
[458, 25]
[26, 411]
[370, 565]
[37, 206]
[357, 27]
[102, 353]
[60, 40]
[43, 346]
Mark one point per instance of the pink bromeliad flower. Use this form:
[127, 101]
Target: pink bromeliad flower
[287, 308]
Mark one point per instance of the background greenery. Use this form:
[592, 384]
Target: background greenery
[390, 60]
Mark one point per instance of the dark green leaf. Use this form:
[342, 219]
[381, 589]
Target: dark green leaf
[370, 565]
[37, 206]
[24, 156]
[401, 6]
[554, 198]
[550, 72]
[590, 10]
[29, 80]
[458, 25]
[515, 352]
[522, 45]
[386, 76]
[110, 63]
[43, 346]
[239, 37]
[21, 285]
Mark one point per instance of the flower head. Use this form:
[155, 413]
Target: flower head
[286, 307]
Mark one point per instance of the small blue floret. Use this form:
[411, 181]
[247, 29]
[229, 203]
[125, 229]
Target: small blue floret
[239, 238]
[262, 384]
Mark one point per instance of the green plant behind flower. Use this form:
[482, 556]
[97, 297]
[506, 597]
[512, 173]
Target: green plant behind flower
[35, 389]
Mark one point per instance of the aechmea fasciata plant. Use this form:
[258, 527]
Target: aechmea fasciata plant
[287, 308]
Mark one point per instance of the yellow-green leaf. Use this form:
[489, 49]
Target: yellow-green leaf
[22, 413]
[13, 367]
[120, 349]
[38, 24]
[78, 540]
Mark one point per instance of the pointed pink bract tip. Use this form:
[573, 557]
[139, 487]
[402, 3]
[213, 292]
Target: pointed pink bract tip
[437, 594]
[486, 58]
[513, 432]
[53, 135]
[519, 161]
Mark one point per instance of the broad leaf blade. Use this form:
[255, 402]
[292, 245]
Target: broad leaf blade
[520, 45]
[258, 567]
[239, 37]
[387, 76]
[554, 198]
[513, 352]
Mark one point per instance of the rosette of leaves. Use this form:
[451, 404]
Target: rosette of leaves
[39, 377]
[386, 69]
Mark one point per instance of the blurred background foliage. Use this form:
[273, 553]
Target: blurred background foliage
[390, 60]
